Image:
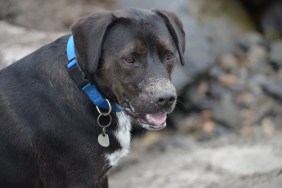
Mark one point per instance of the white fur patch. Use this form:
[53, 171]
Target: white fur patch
[123, 136]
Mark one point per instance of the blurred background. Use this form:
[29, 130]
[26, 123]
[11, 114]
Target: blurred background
[226, 129]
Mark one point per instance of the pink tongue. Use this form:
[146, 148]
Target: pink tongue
[156, 119]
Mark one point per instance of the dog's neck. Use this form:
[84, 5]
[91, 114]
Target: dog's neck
[83, 83]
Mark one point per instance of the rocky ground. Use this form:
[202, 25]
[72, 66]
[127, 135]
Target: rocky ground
[226, 129]
[179, 162]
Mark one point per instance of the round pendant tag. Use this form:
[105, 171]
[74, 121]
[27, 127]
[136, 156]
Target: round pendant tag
[103, 140]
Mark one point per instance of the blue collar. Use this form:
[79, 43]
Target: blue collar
[78, 76]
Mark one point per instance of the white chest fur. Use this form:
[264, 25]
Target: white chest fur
[122, 134]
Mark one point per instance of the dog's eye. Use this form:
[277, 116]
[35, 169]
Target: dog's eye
[130, 60]
[169, 56]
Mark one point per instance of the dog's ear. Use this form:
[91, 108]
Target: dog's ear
[175, 28]
[88, 33]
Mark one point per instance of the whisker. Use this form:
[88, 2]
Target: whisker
[179, 103]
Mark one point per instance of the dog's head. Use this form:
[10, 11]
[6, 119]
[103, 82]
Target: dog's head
[130, 55]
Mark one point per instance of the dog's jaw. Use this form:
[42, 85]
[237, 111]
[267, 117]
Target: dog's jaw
[155, 121]
[153, 128]
[122, 134]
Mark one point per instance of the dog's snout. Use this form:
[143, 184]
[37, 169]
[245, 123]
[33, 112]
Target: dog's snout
[161, 92]
[165, 99]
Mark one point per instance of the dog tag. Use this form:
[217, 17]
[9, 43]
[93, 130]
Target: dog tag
[103, 140]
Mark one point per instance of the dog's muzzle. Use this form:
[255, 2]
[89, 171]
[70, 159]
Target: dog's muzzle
[155, 101]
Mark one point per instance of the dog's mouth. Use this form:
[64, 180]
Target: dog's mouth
[155, 121]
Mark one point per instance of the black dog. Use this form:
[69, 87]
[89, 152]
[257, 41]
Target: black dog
[51, 132]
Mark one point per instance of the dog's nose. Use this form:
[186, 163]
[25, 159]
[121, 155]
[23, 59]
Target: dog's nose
[165, 99]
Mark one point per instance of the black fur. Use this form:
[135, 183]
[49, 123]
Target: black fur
[48, 135]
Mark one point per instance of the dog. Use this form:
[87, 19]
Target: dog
[66, 109]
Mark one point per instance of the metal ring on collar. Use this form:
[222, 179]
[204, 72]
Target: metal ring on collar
[105, 113]
[104, 126]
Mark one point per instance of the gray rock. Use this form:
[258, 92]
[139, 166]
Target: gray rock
[222, 36]
[258, 58]
[16, 42]
[217, 90]
[227, 112]
[171, 142]
[199, 55]
[276, 53]
[243, 161]
[48, 16]
[248, 40]
[274, 90]
[176, 6]
[179, 78]
[274, 183]
[272, 21]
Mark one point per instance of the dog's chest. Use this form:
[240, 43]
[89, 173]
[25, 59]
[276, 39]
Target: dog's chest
[122, 134]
